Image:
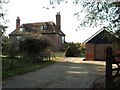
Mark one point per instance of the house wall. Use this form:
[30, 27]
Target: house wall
[55, 41]
[13, 39]
[58, 43]
[89, 51]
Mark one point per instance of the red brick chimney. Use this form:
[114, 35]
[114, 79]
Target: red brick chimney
[58, 20]
[17, 22]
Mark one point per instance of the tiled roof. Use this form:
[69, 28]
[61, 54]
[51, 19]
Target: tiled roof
[48, 28]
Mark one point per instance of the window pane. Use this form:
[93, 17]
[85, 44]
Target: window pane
[63, 39]
[45, 27]
[42, 27]
[19, 38]
[21, 29]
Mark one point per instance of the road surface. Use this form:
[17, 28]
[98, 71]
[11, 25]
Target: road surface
[65, 73]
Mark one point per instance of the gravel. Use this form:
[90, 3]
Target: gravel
[65, 73]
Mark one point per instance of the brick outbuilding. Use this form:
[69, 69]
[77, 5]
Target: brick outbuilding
[95, 46]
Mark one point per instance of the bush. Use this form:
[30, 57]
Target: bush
[72, 51]
[32, 47]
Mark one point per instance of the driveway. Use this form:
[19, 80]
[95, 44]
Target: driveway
[65, 73]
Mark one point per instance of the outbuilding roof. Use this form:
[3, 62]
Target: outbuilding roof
[102, 36]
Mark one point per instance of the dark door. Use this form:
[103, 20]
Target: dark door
[100, 51]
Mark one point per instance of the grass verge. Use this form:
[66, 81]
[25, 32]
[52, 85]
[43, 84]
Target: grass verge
[116, 83]
[24, 69]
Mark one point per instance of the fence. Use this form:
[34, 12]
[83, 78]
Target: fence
[109, 70]
[8, 62]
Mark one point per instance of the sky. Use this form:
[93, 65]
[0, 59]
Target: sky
[31, 11]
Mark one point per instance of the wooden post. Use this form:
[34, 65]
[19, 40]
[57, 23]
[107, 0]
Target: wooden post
[108, 67]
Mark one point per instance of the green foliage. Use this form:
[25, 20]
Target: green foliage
[59, 54]
[2, 30]
[82, 50]
[9, 49]
[16, 62]
[5, 44]
[3, 13]
[81, 47]
[116, 83]
[97, 12]
[33, 47]
[2, 9]
[73, 50]
[12, 52]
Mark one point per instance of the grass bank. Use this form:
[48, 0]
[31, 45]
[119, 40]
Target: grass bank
[25, 69]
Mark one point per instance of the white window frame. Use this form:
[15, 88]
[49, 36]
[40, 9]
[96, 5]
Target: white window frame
[42, 27]
[22, 29]
[63, 39]
[19, 38]
[45, 27]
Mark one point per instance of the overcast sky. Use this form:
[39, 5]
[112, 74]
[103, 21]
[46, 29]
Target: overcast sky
[31, 11]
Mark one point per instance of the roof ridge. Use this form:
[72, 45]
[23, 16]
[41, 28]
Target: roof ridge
[99, 31]
[40, 22]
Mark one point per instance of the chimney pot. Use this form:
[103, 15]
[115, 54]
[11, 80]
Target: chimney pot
[17, 22]
[58, 20]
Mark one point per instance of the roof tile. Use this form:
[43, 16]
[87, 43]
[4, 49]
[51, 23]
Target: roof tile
[51, 28]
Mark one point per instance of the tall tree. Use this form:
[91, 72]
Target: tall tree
[97, 12]
[2, 21]
[3, 13]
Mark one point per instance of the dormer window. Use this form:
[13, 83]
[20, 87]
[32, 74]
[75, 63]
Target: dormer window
[44, 27]
[22, 29]
[63, 39]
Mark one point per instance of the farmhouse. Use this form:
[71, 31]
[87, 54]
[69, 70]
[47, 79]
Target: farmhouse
[50, 30]
[95, 46]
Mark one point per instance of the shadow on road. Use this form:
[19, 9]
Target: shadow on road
[62, 74]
